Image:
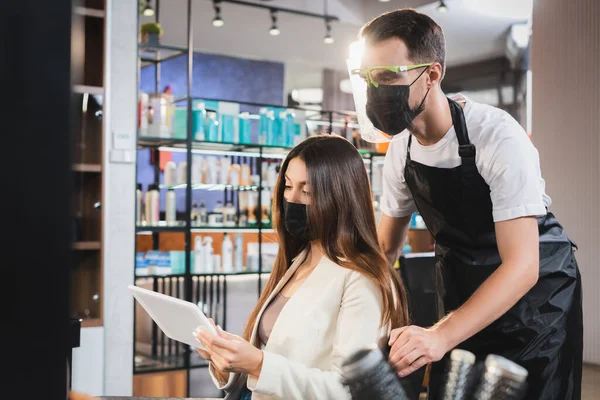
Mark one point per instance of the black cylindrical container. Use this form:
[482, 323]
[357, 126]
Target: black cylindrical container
[369, 377]
[502, 379]
[459, 367]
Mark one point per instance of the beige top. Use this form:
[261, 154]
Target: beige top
[269, 317]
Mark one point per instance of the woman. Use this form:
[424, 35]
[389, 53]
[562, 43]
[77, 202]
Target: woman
[331, 291]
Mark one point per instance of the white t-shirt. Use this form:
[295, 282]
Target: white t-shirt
[505, 158]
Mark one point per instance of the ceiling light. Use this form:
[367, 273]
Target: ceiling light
[328, 38]
[217, 20]
[148, 10]
[274, 31]
[384, 1]
[442, 7]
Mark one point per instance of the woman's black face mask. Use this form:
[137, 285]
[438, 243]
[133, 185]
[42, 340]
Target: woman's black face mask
[388, 108]
[296, 220]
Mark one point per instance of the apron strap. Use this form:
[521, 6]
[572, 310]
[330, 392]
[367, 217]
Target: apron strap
[408, 147]
[466, 150]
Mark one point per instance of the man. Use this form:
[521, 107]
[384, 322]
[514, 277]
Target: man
[511, 282]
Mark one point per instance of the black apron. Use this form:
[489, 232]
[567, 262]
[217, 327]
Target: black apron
[543, 332]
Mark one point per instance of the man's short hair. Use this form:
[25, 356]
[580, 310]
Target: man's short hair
[423, 37]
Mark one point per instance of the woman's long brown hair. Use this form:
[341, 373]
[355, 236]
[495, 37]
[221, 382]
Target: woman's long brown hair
[342, 219]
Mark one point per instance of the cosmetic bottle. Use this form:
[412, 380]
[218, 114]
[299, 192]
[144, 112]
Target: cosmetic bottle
[195, 214]
[208, 255]
[245, 175]
[199, 259]
[245, 128]
[170, 174]
[197, 169]
[225, 164]
[238, 252]
[263, 126]
[212, 127]
[227, 254]
[203, 215]
[198, 122]
[229, 215]
[234, 175]
[227, 128]
[154, 204]
[138, 204]
[171, 208]
[182, 173]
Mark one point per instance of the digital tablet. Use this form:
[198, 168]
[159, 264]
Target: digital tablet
[175, 317]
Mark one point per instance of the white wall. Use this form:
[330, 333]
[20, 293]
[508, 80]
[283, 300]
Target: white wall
[119, 194]
[88, 362]
[565, 54]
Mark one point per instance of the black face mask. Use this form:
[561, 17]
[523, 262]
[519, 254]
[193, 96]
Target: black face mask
[388, 109]
[296, 220]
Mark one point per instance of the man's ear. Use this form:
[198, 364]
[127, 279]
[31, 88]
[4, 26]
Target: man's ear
[435, 74]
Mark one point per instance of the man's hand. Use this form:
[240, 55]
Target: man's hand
[413, 347]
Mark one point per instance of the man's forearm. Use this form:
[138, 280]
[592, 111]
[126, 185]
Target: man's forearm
[392, 234]
[502, 290]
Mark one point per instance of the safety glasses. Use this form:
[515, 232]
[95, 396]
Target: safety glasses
[386, 75]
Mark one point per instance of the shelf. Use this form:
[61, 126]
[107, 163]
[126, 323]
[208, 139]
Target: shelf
[88, 89]
[160, 228]
[87, 168]
[151, 141]
[160, 276]
[242, 273]
[89, 12]
[214, 187]
[241, 147]
[158, 53]
[87, 246]
[223, 229]
[216, 148]
[92, 322]
[147, 364]
[148, 230]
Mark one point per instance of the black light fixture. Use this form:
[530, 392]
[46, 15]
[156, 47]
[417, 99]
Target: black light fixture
[148, 10]
[442, 7]
[217, 20]
[274, 30]
[328, 38]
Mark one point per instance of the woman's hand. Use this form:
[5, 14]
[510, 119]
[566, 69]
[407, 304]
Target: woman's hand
[231, 353]
[203, 353]
[413, 347]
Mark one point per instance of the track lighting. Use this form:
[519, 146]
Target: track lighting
[274, 31]
[328, 38]
[148, 10]
[217, 20]
[442, 7]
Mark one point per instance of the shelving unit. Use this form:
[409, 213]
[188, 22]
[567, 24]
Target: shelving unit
[88, 39]
[156, 356]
